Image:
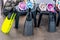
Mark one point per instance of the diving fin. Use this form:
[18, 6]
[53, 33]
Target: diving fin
[7, 24]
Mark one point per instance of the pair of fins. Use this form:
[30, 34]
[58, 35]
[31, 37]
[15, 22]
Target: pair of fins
[7, 24]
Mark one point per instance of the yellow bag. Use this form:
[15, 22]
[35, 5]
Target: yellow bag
[7, 24]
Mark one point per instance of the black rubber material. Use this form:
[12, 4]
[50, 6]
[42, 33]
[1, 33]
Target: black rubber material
[52, 23]
[58, 20]
[28, 26]
[41, 13]
[39, 20]
[34, 18]
[52, 20]
[9, 15]
[9, 4]
[17, 20]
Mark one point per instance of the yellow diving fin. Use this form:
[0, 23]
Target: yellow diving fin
[7, 24]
